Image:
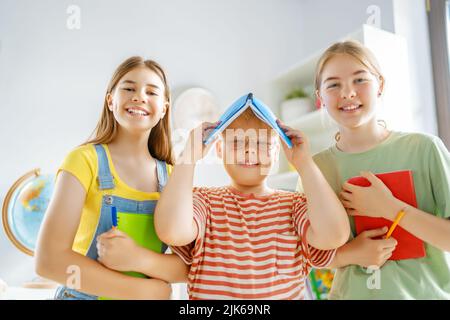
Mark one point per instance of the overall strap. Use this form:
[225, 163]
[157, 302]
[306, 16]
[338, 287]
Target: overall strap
[161, 168]
[104, 178]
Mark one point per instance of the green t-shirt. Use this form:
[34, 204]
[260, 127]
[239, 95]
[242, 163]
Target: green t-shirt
[429, 160]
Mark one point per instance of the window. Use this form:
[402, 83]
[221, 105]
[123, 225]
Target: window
[447, 20]
[439, 26]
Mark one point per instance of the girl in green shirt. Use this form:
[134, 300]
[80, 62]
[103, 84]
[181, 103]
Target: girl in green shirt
[349, 84]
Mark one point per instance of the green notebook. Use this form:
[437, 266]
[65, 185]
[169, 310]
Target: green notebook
[141, 229]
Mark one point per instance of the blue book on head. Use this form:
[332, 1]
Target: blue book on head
[262, 111]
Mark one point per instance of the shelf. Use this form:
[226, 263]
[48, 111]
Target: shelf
[318, 127]
[312, 122]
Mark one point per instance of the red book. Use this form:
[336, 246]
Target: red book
[401, 184]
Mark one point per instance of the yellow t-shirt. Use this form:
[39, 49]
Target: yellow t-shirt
[82, 163]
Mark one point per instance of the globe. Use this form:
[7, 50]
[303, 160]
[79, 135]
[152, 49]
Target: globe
[24, 208]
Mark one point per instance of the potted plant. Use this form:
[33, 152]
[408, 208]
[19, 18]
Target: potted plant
[296, 103]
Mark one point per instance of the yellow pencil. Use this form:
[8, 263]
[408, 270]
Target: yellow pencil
[395, 223]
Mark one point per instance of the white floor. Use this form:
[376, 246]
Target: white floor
[19, 293]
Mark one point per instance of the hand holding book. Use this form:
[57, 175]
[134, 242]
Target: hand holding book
[375, 201]
[117, 250]
[371, 199]
[299, 153]
[368, 250]
[195, 148]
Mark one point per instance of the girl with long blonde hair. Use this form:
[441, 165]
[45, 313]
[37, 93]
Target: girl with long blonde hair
[349, 84]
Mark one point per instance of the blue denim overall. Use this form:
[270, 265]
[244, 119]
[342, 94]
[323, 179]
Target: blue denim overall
[106, 185]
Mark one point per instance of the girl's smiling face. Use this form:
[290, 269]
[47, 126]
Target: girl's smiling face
[349, 91]
[138, 100]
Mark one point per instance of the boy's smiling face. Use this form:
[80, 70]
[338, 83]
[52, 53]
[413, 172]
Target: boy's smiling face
[249, 148]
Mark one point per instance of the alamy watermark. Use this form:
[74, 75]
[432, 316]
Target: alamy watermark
[74, 279]
[374, 280]
[73, 21]
[374, 18]
[249, 148]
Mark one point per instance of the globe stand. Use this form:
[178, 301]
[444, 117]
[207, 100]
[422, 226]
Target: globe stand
[38, 282]
[8, 231]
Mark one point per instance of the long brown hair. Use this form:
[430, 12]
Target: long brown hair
[159, 141]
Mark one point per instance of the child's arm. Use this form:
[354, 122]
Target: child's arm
[117, 251]
[56, 260]
[167, 267]
[174, 216]
[329, 226]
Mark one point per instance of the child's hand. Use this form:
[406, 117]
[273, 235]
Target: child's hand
[373, 201]
[367, 252]
[117, 251]
[299, 153]
[195, 149]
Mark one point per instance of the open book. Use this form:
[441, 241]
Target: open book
[262, 111]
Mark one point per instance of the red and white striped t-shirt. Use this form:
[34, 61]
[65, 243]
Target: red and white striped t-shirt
[250, 247]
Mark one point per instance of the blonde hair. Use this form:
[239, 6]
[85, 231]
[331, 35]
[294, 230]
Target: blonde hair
[354, 49]
[159, 141]
[249, 116]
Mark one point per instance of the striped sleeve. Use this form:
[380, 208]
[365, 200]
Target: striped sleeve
[189, 252]
[315, 258]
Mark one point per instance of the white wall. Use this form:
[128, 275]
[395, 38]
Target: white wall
[52, 79]
[410, 20]
[325, 21]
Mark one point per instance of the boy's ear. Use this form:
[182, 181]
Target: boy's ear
[277, 150]
[219, 150]
[381, 87]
